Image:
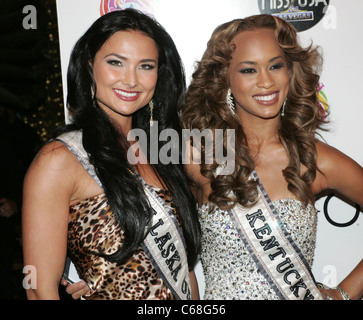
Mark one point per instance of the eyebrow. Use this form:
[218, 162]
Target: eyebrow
[254, 63]
[124, 58]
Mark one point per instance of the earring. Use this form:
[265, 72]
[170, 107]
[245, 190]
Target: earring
[151, 105]
[230, 103]
[93, 96]
[93, 92]
[283, 108]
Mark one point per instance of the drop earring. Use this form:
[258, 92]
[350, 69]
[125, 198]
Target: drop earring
[230, 102]
[151, 105]
[283, 108]
[93, 96]
[93, 92]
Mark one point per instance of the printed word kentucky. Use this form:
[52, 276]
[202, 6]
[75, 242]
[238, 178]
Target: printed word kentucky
[277, 255]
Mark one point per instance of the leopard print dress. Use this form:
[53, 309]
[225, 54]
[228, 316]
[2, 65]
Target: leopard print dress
[92, 228]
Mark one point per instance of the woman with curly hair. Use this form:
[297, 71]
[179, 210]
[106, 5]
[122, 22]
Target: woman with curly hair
[131, 229]
[259, 223]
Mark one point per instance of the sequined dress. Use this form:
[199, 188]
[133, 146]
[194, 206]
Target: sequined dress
[229, 270]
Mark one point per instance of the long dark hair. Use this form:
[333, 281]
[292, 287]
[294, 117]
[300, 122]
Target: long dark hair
[106, 145]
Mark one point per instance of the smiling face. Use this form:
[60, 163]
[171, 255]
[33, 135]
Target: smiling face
[125, 71]
[258, 74]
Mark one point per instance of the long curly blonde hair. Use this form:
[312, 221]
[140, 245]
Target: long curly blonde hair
[206, 107]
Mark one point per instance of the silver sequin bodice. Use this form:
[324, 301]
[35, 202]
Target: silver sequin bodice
[229, 270]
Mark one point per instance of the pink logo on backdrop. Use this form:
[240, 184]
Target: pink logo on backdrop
[145, 6]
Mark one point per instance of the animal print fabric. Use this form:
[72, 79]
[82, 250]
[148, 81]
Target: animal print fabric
[92, 227]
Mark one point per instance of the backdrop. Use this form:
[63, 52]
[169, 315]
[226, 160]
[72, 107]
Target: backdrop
[334, 25]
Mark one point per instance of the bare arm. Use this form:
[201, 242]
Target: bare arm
[344, 175]
[47, 192]
[353, 283]
[340, 173]
[194, 286]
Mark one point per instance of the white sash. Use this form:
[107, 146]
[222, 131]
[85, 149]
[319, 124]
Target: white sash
[272, 248]
[165, 247]
[164, 244]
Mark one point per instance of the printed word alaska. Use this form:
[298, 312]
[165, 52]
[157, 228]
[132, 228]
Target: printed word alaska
[170, 256]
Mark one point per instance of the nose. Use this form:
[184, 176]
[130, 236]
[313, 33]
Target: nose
[129, 78]
[265, 80]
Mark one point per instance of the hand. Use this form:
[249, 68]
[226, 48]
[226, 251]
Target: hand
[76, 290]
[7, 208]
[333, 293]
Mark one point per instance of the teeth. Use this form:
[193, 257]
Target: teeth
[266, 98]
[127, 94]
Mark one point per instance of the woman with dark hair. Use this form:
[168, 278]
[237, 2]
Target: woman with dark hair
[131, 230]
[259, 223]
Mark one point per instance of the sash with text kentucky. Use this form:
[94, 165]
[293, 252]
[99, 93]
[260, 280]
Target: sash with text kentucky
[273, 250]
[165, 246]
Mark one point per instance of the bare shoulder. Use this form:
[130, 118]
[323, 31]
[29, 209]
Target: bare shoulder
[329, 157]
[325, 149]
[53, 165]
[54, 156]
[339, 172]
